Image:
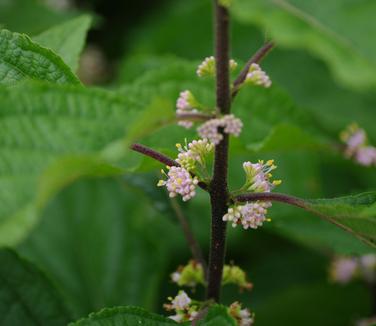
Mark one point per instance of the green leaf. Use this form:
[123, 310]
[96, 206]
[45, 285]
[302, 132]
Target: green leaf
[322, 30]
[30, 16]
[120, 316]
[52, 135]
[67, 39]
[287, 137]
[21, 58]
[27, 297]
[350, 213]
[109, 246]
[218, 316]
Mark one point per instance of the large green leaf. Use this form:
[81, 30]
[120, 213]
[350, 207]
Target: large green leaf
[109, 246]
[52, 135]
[216, 316]
[121, 316]
[322, 30]
[21, 58]
[27, 297]
[67, 39]
[351, 213]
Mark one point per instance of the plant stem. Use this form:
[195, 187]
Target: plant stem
[218, 187]
[271, 196]
[257, 57]
[192, 241]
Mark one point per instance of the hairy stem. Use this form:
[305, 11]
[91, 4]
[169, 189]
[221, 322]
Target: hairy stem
[163, 159]
[271, 196]
[218, 186]
[191, 240]
[258, 56]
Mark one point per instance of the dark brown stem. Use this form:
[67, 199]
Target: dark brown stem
[259, 55]
[218, 186]
[271, 196]
[163, 159]
[194, 116]
[154, 154]
[191, 240]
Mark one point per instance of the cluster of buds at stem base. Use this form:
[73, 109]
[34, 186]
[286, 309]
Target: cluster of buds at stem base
[192, 274]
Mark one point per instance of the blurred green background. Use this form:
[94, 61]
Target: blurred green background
[115, 241]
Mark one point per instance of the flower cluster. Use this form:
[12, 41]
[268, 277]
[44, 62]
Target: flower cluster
[186, 104]
[345, 269]
[253, 214]
[192, 274]
[189, 275]
[256, 76]
[207, 67]
[225, 3]
[230, 124]
[183, 306]
[193, 153]
[179, 182]
[357, 146]
[191, 158]
[242, 316]
[233, 274]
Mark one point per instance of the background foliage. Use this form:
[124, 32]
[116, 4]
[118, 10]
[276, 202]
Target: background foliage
[85, 210]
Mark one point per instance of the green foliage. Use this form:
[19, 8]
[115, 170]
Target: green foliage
[30, 16]
[21, 58]
[299, 24]
[124, 316]
[52, 135]
[351, 213]
[102, 234]
[218, 315]
[27, 296]
[67, 39]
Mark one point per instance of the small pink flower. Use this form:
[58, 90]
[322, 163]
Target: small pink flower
[257, 76]
[180, 182]
[366, 155]
[230, 124]
[343, 270]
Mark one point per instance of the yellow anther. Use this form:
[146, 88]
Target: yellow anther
[270, 162]
[277, 182]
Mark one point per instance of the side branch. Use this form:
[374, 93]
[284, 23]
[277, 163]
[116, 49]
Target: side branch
[259, 55]
[163, 159]
[270, 196]
[192, 241]
[154, 154]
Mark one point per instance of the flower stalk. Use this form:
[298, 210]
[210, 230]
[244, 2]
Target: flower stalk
[219, 187]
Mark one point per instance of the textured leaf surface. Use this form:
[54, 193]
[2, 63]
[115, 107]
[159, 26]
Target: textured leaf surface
[27, 297]
[323, 30]
[67, 39]
[121, 316]
[21, 58]
[351, 213]
[109, 246]
[50, 136]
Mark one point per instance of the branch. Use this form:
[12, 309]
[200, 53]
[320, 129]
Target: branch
[192, 241]
[259, 55]
[271, 196]
[154, 154]
[163, 159]
[194, 116]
